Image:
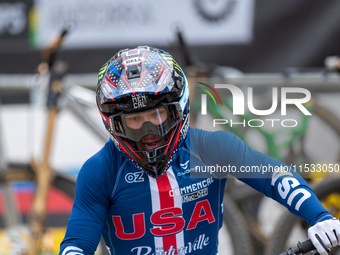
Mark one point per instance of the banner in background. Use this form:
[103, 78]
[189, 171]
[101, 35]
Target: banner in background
[13, 18]
[14, 24]
[110, 23]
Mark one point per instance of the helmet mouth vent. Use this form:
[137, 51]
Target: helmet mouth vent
[155, 154]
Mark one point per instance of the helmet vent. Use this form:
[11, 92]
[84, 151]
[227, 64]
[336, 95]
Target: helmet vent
[133, 72]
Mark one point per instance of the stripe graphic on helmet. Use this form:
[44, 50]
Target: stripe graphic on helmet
[102, 71]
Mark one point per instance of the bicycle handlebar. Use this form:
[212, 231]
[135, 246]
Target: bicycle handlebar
[302, 247]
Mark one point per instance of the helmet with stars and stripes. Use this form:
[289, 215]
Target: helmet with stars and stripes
[143, 98]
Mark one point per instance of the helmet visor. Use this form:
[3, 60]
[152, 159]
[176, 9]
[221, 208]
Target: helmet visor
[157, 121]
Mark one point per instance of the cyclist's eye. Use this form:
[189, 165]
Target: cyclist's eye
[162, 112]
[133, 118]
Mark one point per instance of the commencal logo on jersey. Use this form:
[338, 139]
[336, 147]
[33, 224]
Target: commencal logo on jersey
[191, 188]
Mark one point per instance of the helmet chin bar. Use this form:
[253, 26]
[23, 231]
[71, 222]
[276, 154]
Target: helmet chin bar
[154, 157]
[151, 155]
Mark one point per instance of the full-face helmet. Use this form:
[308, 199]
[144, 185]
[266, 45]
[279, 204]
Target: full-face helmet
[143, 93]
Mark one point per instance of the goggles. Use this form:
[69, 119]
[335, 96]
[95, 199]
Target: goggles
[157, 121]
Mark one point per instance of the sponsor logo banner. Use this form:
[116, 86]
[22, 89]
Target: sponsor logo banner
[107, 23]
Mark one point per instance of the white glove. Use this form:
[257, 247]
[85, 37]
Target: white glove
[325, 234]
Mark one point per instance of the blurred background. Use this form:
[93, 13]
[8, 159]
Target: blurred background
[248, 36]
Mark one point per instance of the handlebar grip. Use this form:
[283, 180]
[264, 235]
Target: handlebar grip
[306, 246]
[301, 248]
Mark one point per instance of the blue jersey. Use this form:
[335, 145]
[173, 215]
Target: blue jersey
[174, 214]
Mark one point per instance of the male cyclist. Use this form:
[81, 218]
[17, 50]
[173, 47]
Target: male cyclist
[136, 191]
